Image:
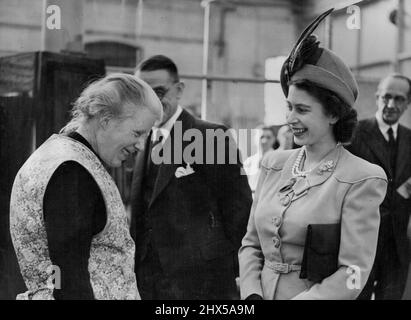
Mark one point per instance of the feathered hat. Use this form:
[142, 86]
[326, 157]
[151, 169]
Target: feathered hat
[321, 66]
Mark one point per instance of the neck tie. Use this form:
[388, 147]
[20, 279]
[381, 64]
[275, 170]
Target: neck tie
[392, 147]
[158, 139]
[154, 141]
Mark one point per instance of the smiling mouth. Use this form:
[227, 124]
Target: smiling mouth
[126, 152]
[298, 131]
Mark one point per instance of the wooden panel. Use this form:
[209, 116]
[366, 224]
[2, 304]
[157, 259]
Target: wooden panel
[63, 77]
[17, 73]
[15, 148]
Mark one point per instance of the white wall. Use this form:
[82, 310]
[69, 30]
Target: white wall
[20, 24]
[175, 28]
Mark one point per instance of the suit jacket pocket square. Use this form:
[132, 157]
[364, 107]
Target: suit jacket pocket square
[182, 172]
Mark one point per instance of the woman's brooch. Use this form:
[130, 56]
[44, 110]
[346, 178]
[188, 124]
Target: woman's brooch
[326, 167]
[285, 191]
[287, 188]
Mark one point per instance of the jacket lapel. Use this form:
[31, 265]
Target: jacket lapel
[167, 170]
[324, 170]
[139, 169]
[316, 177]
[377, 144]
[403, 153]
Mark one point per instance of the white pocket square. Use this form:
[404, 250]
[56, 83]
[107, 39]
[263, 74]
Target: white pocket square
[182, 172]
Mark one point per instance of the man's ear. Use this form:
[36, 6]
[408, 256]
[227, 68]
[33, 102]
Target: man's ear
[180, 89]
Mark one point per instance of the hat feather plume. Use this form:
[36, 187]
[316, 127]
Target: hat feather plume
[304, 51]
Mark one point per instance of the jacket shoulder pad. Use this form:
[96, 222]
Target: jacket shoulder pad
[354, 169]
[275, 159]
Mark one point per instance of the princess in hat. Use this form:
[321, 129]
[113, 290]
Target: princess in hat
[313, 227]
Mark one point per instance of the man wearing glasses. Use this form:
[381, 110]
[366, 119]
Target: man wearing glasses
[188, 218]
[385, 142]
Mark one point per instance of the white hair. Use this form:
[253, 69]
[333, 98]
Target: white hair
[106, 98]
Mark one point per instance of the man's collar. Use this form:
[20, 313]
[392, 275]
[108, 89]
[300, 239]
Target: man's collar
[384, 127]
[166, 128]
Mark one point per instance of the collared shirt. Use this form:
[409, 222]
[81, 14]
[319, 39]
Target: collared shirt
[166, 128]
[384, 127]
[252, 167]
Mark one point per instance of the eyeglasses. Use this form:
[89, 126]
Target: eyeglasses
[398, 100]
[162, 91]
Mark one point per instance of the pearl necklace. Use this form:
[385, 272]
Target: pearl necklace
[295, 170]
[296, 166]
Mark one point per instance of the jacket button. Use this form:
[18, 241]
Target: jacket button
[276, 241]
[285, 200]
[277, 221]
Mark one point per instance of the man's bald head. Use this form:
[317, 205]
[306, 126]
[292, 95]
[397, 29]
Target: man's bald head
[393, 97]
[399, 77]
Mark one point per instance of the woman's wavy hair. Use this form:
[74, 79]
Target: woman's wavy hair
[333, 105]
[106, 98]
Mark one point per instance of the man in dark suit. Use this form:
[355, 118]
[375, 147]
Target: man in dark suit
[383, 141]
[188, 217]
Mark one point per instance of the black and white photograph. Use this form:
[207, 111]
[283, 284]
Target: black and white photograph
[205, 155]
